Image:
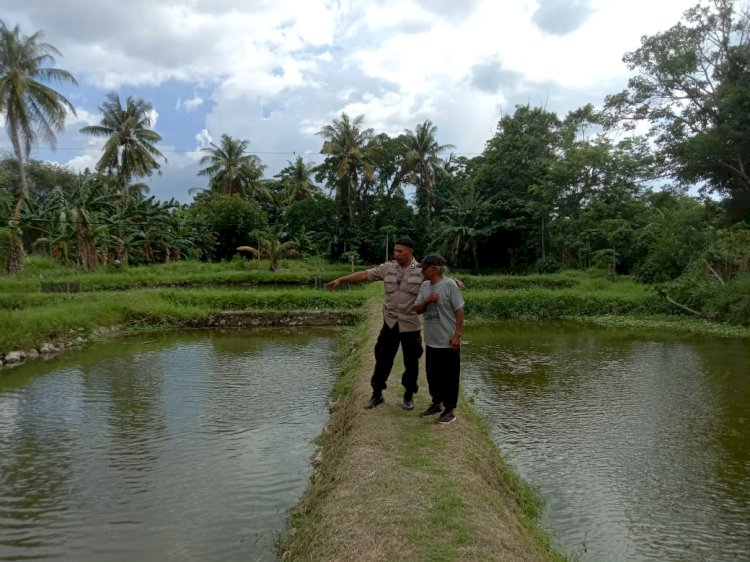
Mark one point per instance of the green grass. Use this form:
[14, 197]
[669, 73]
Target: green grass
[188, 293]
[63, 317]
[539, 303]
[445, 529]
[175, 274]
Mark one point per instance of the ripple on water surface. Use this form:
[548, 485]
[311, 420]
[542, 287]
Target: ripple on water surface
[181, 447]
[639, 444]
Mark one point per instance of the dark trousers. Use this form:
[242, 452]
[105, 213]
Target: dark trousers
[443, 367]
[385, 352]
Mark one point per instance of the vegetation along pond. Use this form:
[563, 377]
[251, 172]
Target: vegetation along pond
[639, 442]
[187, 446]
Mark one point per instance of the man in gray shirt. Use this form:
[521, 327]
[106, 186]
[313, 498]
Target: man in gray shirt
[442, 304]
[402, 278]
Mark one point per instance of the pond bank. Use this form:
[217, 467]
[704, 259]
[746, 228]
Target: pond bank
[390, 485]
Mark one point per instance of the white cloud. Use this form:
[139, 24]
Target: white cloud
[276, 71]
[189, 104]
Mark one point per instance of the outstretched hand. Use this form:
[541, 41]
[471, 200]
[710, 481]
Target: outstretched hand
[331, 285]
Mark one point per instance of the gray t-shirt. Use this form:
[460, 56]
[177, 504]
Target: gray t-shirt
[440, 317]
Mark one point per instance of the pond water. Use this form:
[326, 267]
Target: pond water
[638, 442]
[186, 446]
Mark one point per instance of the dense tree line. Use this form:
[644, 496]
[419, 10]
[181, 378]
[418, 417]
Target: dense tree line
[548, 192]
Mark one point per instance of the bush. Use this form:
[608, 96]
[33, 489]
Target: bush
[731, 302]
[4, 248]
[547, 265]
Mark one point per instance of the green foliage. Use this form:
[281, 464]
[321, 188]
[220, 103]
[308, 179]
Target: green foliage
[547, 264]
[676, 233]
[692, 87]
[717, 282]
[513, 282]
[233, 172]
[129, 149]
[544, 303]
[4, 247]
[731, 302]
[185, 273]
[231, 220]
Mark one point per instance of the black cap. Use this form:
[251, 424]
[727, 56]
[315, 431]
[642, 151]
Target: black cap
[432, 259]
[405, 241]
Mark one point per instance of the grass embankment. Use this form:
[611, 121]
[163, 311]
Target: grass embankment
[175, 274]
[176, 295]
[390, 485]
[584, 297]
[34, 321]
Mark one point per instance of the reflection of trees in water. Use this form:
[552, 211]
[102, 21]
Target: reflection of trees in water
[135, 412]
[728, 362]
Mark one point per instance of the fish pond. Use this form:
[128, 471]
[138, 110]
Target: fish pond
[186, 446]
[638, 442]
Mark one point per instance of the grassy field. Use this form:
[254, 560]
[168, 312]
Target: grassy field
[180, 294]
[185, 294]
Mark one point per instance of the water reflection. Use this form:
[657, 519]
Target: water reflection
[638, 442]
[180, 447]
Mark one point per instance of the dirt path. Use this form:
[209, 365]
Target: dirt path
[390, 485]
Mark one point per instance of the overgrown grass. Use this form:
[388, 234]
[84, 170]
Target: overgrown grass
[512, 282]
[175, 274]
[587, 299]
[289, 299]
[687, 325]
[66, 316]
[183, 294]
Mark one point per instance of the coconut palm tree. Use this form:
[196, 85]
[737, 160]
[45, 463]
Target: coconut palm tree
[351, 158]
[464, 223]
[272, 248]
[129, 150]
[422, 163]
[296, 180]
[233, 172]
[31, 108]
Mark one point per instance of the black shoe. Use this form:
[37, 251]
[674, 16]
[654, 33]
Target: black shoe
[432, 410]
[375, 400]
[408, 401]
[446, 417]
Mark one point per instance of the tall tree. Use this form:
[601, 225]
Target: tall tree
[31, 108]
[351, 158]
[515, 171]
[423, 164]
[232, 171]
[129, 150]
[297, 180]
[691, 85]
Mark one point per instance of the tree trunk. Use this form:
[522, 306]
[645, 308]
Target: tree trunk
[544, 250]
[15, 255]
[15, 250]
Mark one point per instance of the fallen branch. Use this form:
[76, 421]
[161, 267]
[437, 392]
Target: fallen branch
[714, 272]
[682, 306]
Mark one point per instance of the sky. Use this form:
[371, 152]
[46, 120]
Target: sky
[275, 72]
